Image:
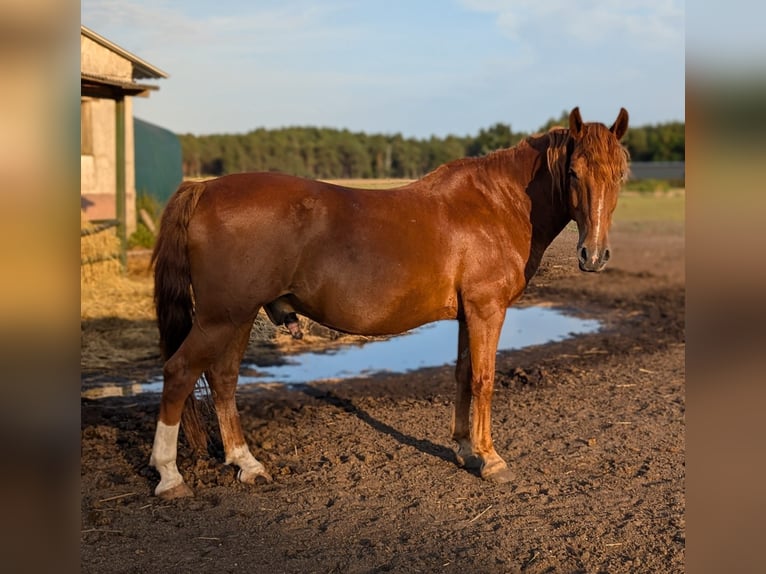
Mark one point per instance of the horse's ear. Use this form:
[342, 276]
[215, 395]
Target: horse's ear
[620, 125]
[575, 123]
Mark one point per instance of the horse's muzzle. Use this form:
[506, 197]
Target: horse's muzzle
[593, 260]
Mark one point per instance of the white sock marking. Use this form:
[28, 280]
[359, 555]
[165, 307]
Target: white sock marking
[164, 452]
[244, 459]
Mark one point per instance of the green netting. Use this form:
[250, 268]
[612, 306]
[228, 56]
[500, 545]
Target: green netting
[158, 160]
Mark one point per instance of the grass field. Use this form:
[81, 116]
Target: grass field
[668, 206]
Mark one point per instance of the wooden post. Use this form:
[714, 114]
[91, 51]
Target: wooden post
[120, 192]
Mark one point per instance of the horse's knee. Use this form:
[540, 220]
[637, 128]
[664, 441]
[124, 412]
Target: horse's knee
[482, 387]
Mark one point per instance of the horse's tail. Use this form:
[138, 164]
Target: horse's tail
[173, 299]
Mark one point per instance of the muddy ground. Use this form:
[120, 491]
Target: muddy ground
[365, 478]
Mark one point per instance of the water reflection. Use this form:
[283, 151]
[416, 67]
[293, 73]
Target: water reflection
[432, 345]
[428, 346]
[105, 390]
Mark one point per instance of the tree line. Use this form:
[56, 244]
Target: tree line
[326, 153]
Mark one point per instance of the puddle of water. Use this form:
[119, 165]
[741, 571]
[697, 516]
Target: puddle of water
[432, 345]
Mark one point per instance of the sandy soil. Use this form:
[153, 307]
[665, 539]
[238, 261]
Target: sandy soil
[365, 478]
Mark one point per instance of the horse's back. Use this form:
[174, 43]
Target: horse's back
[299, 209]
[367, 261]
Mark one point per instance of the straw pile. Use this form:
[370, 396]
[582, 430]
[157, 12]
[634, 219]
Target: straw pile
[106, 290]
[99, 252]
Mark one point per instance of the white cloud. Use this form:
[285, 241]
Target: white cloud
[254, 28]
[140, 22]
[657, 24]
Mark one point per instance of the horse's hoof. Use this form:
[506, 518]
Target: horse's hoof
[177, 491]
[258, 478]
[499, 474]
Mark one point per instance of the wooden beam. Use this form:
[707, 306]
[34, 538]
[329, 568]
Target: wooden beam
[120, 188]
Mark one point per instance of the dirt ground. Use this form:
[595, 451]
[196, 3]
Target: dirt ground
[365, 478]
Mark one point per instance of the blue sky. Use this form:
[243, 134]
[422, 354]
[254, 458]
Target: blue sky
[416, 67]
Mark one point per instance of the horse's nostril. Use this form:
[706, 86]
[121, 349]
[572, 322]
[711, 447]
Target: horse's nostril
[583, 254]
[607, 254]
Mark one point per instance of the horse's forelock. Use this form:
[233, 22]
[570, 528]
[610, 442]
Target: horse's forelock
[603, 152]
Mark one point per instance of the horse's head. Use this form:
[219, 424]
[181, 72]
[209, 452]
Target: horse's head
[598, 166]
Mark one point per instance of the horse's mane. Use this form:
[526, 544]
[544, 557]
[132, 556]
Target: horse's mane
[557, 144]
[557, 155]
[497, 157]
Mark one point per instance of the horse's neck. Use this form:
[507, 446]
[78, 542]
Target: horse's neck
[527, 166]
[547, 223]
[524, 169]
[549, 213]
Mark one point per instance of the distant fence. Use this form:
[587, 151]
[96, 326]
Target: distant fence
[657, 170]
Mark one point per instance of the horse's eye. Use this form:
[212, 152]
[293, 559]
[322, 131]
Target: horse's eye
[572, 174]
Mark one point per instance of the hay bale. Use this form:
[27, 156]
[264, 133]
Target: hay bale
[99, 252]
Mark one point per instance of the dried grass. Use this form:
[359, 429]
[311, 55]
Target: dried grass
[99, 253]
[105, 289]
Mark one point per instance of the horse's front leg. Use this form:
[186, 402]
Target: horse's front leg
[484, 327]
[223, 376]
[461, 428]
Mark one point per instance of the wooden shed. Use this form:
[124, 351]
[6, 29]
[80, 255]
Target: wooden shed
[109, 78]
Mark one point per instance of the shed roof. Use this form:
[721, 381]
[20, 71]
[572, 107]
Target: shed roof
[96, 85]
[141, 68]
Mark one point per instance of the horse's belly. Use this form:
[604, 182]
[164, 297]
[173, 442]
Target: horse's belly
[378, 311]
[374, 324]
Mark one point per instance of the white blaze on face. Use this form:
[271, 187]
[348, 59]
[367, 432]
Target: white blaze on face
[598, 209]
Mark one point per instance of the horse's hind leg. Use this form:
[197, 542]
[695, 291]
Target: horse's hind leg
[222, 377]
[181, 373]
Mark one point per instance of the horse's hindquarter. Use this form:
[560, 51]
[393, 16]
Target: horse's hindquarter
[242, 240]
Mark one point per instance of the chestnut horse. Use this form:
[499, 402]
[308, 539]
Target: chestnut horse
[461, 243]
